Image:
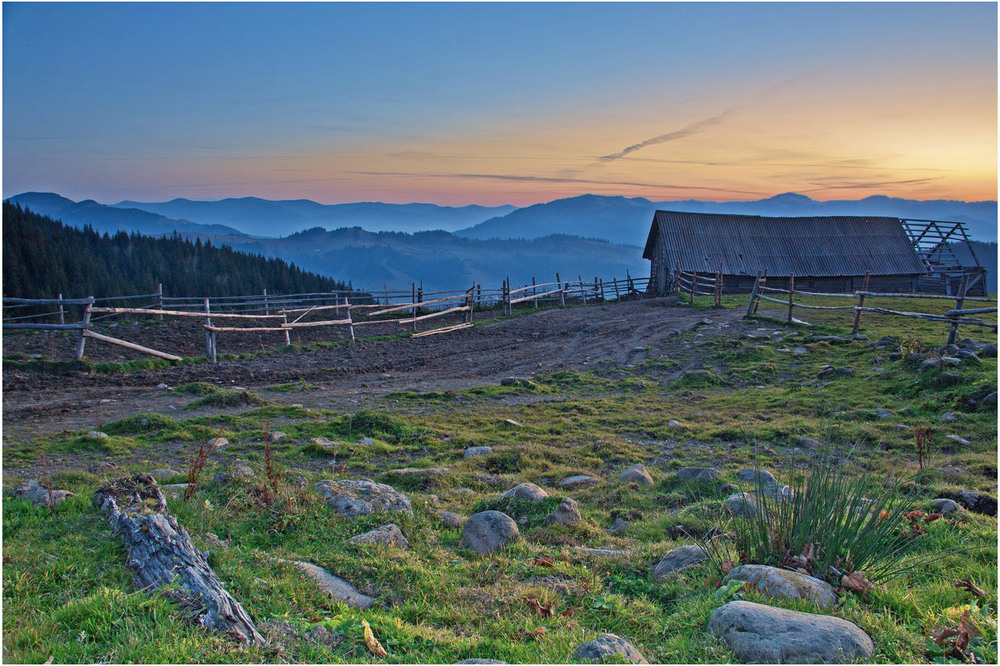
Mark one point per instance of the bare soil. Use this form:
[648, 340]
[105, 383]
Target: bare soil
[351, 375]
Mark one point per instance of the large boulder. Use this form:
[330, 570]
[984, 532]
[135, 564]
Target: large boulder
[679, 559]
[760, 634]
[567, 513]
[608, 647]
[757, 477]
[386, 535]
[528, 491]
[363, 497]
[486, 531]
[637, 473]
[784, 584]
[335, 586]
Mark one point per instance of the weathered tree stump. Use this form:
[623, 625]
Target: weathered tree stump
[161, 553]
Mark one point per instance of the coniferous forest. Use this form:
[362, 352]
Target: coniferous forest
[43, 257]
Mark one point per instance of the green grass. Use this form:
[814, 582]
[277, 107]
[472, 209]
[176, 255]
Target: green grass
[68, 594]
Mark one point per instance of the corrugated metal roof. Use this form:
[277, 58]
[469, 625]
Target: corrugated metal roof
[805, 246]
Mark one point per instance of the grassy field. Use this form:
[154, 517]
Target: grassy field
[67, 594]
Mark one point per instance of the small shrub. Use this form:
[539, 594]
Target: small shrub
[228, 398]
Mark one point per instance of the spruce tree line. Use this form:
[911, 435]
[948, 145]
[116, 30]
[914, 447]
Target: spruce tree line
[43, 257]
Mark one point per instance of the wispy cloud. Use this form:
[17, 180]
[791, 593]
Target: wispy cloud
[549, 179]
[868, 185]
[686, 131]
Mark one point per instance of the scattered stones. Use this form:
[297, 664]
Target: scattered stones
[944, 505]
[608, 647]
[386, 535]
[578, 480]
[637, 473]
[39, 495]
[741, 504]
[929, 364]
[278, 435]
[699, 474]
[988, 350]
[450, 519]
[978, 502]
[799, 351]
[958, 440]
[829, 372]
[101, 467]
[97, 434]
[528, 491]
[883, 413]
[160, 474]
[808, 442]
[674, 423]
[950, 360]
[968, 357]
[487, 531]
[567, 513]
[476, 451]
[679, 559]
[217, 443]
[363, 497]
[757, 477]
[335, 586]
[618, 527]
[764, 634]
[784, 584]
[948, 417]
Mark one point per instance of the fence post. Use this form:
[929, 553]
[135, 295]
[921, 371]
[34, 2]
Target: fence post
[614, 283]
[506, 296]
[479, 291]
[534, 292]
[82, 342]
[413, 310]
[209, 335]
[470, 302]
[791, 293]
[694, 281]
[753, 294]
[602, 290]
[267, 309]
[288, 332]
[159, 299]
[959, 302]
[62, 312]
[562, 294]
[861, 303]
[763, 283]
[718, 288]
[631, 285]
[350, 319]
[677, 279]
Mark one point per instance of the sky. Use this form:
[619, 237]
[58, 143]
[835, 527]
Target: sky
[492, 104]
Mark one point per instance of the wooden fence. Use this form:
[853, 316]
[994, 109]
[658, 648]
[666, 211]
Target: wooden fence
[270, 313]
[698, 284]
[958, 315]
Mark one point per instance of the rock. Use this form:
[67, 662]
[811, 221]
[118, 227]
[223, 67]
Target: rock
[618, 527]
[214, 542]
[175, 490]
[799, 351]
[386, 535]
[950, 360]
[901, 427]
[578, 480]
[512, 423]
[363, 497]
[944, 505]
[160, 474]
[39, 495]
[951, 471]
[101, 467]
[990, 399]
[882, 413]
[773, 492]
[608, 647]
[808, 443]
[97, 434]
[741, 504]
[486, 531]
[948, 417]
[968, 357]
[988, 350]
[450, 519]
[637, 473]
[784, 584]
[600, 552]
[366, 441]
[528, 491]
[830, 372]
[978, 502]
[420, 471]
[217, 443]
[235, 473]
[476, 451]
[335, 586]
[325, 443]
[488, 479]
[480, 661]
[958, 440]
[277, 435]
[930, 364]
[567, 513]
[757, 477]
[699, 474]
[516, 381]
[674, 423]
[161, 386]
[760, 634]
[679, 559]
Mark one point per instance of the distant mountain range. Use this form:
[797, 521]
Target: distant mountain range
[263, 217]
[626, 220]
[376, 244]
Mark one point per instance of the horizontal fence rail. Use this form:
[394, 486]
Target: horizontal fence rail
[284, 313]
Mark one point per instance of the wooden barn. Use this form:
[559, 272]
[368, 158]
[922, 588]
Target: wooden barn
[825, 254]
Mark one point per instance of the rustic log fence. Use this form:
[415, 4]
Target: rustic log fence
[958, 315]
[698, 284]
[273, 313]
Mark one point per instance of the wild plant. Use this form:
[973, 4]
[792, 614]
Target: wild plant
[195, 469]
[922, 442]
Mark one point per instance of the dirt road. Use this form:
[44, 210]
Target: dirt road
[547, 341]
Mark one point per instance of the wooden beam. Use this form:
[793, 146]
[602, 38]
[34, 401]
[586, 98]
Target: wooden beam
[130, 345]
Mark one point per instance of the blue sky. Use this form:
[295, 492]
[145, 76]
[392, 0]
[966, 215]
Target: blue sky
[499, 103]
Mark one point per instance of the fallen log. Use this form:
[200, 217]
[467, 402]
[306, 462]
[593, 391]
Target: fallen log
[161, 553]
